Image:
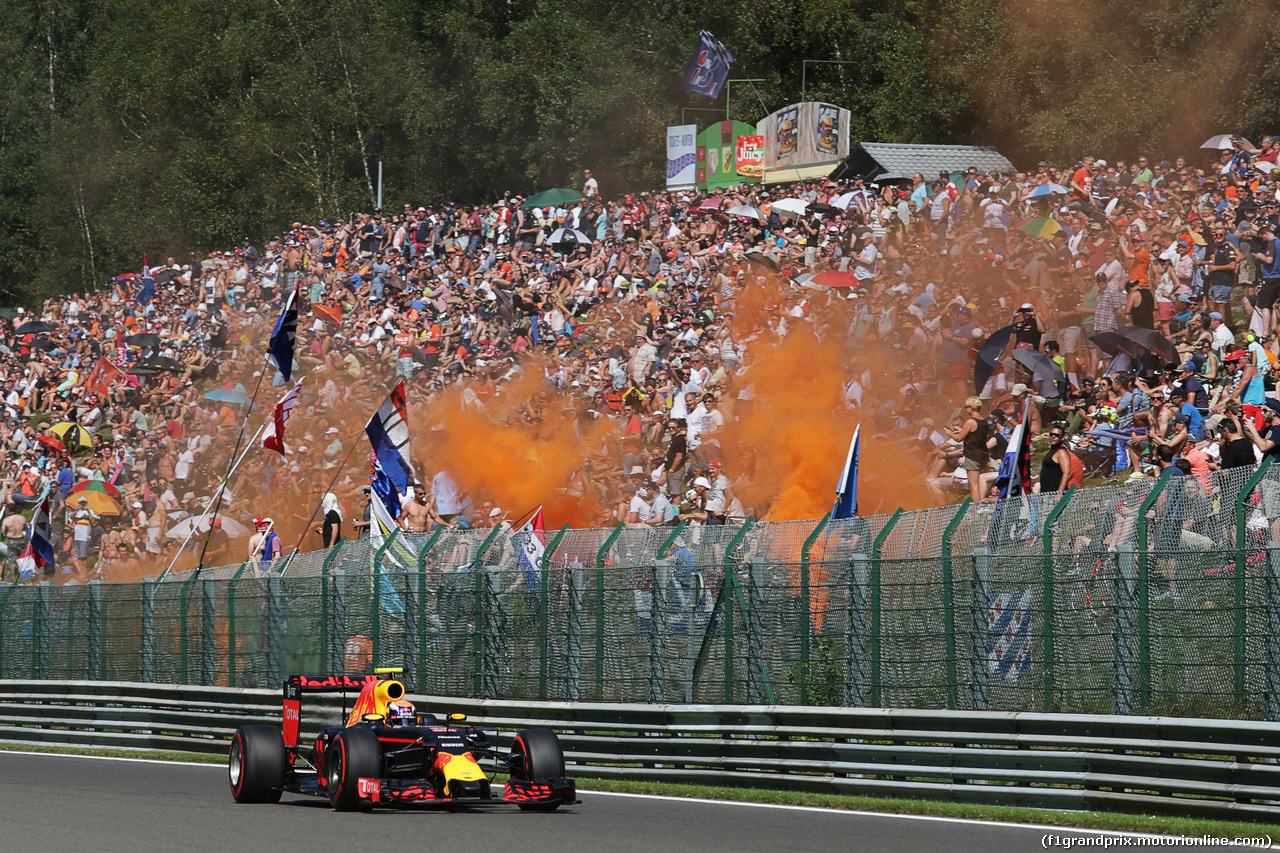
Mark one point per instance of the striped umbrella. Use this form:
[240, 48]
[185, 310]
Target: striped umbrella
[1045, 227]
[101, 487]
[74, 436]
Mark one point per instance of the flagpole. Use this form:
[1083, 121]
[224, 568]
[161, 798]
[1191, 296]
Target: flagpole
[329, 488]
[222, 487]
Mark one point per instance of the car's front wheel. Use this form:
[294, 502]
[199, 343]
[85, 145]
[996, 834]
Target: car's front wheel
[536, 754]
[256, 765]
[354, 754]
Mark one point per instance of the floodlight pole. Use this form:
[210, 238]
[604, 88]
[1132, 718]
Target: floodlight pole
[726, 91]
[804, 70]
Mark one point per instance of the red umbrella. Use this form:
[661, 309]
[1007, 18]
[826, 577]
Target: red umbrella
[712, 204]
[52, 443]
[835, 278]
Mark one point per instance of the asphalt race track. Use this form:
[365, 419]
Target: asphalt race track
[71, 803]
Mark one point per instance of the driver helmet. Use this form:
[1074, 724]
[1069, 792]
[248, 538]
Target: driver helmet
[401, 713]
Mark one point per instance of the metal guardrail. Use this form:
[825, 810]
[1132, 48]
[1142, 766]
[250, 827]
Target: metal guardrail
[1219, 768]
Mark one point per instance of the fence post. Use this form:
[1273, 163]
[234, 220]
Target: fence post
[3, 622]
[231, 627]
[600, 623]
[949, 602]
[573, 635]
[875, 604]
[184, 611]
[324, 595]
[40, 632]
[979, 630]
[1272, 675]
[208, 632]
[376, 576]
[1048, 595]
[491, 638]
[95, 631]
[855, 641]
[658, 632]
[544, 620]
[806, 624]
[148, 630]
[1122, 632]
[420, 662]
[337, 639]
[276, 628]
[1242, 565]
[1144, 595]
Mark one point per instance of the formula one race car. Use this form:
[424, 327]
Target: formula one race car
[389, 754]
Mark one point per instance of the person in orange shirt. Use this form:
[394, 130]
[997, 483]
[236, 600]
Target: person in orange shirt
[1134, 249]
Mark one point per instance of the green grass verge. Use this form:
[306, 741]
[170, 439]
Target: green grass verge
[1115, 821]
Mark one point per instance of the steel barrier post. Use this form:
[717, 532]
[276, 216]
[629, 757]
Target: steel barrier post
[1242, 564]
[600, 621]
[658, 631]
[806, 624]
[478, 620]
[95, 631]
[411, 655]
[491, 639]
[5, 621]
[855, 641]
[1144, 594]
[275, 630]
[231, 626]
[979, 630]
[573, 635]
[337, 641]
[544, 621]
[1046, 541]
[420, 664]
[208, 632]
[876, 596]
[1271, 677]
[148, 630]
[1122, 631]
[376, 576]
[184, 611]
[948, 600]
[324, 594]
[484, 547]
[40, 632]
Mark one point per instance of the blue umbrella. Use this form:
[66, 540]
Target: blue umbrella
[227, 395]
[1048, 189]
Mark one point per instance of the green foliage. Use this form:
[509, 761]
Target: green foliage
[131, 126]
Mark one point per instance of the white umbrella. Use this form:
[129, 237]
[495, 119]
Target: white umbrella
[182, 529]
[1264, 166]
[790, 207]
[569, 235]
[843, 200]
[1222, 142]
[746, 210]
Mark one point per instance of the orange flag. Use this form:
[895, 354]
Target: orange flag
[104, 375]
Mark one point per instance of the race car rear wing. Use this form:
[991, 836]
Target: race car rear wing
[296, 685]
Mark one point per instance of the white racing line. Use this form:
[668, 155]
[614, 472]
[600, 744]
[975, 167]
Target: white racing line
[1057, 830]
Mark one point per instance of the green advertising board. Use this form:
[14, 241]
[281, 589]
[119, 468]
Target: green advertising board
[729, 153]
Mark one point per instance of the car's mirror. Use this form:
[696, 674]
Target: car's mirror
[457, 718]
[373, 718]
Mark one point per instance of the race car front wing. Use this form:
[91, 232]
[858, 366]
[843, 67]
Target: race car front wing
[514, 792]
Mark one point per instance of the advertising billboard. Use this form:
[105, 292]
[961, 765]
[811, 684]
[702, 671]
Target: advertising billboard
[682, 156]
[718, 156]
[804, 135]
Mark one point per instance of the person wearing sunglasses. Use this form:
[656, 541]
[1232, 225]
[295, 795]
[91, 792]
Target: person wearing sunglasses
[1061, 469]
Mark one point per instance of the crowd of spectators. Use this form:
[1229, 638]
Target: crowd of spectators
[635, 317]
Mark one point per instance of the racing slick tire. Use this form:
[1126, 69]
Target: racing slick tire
[536, 754]
[256, 765]
[354, 753]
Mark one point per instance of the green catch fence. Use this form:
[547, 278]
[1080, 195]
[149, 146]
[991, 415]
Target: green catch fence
[1153, 597]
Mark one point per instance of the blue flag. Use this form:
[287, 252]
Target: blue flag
[847, 489]
[148, 289]
[388, 432]
[1014, 478]
[280, 347]
[709, 67]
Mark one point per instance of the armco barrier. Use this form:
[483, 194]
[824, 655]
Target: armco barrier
[1153, 764]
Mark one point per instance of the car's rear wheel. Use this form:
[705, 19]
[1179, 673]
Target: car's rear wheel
[536, 754]
[354, 754]
[256, 765]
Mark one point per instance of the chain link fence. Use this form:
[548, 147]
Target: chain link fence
[1153, 597]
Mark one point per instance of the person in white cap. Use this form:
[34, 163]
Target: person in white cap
[698, 514]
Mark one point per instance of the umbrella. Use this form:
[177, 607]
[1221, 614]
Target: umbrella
[711, 204]
[43, 344]
[35, 327]
[165, 276]
[570, 236]
[1048, 189]
[227, 395]
[183, 528]
[1045, 227]
[553, 198]
[102, 487]
[1113, 344]
[764, 261]
[102, 504]
[989, 356]
[1151, 341]
[328, 312]
[794, 207]
[1042, 366]
[747, 211]
[157, 364]
[828, 279]
[1264, 166]
[145, 339]
[843, 200]
[52, 443]
[74, 436]
[1222, 142]
[823, 209]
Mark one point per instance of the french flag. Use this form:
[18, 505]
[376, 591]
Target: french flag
[273, 436]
